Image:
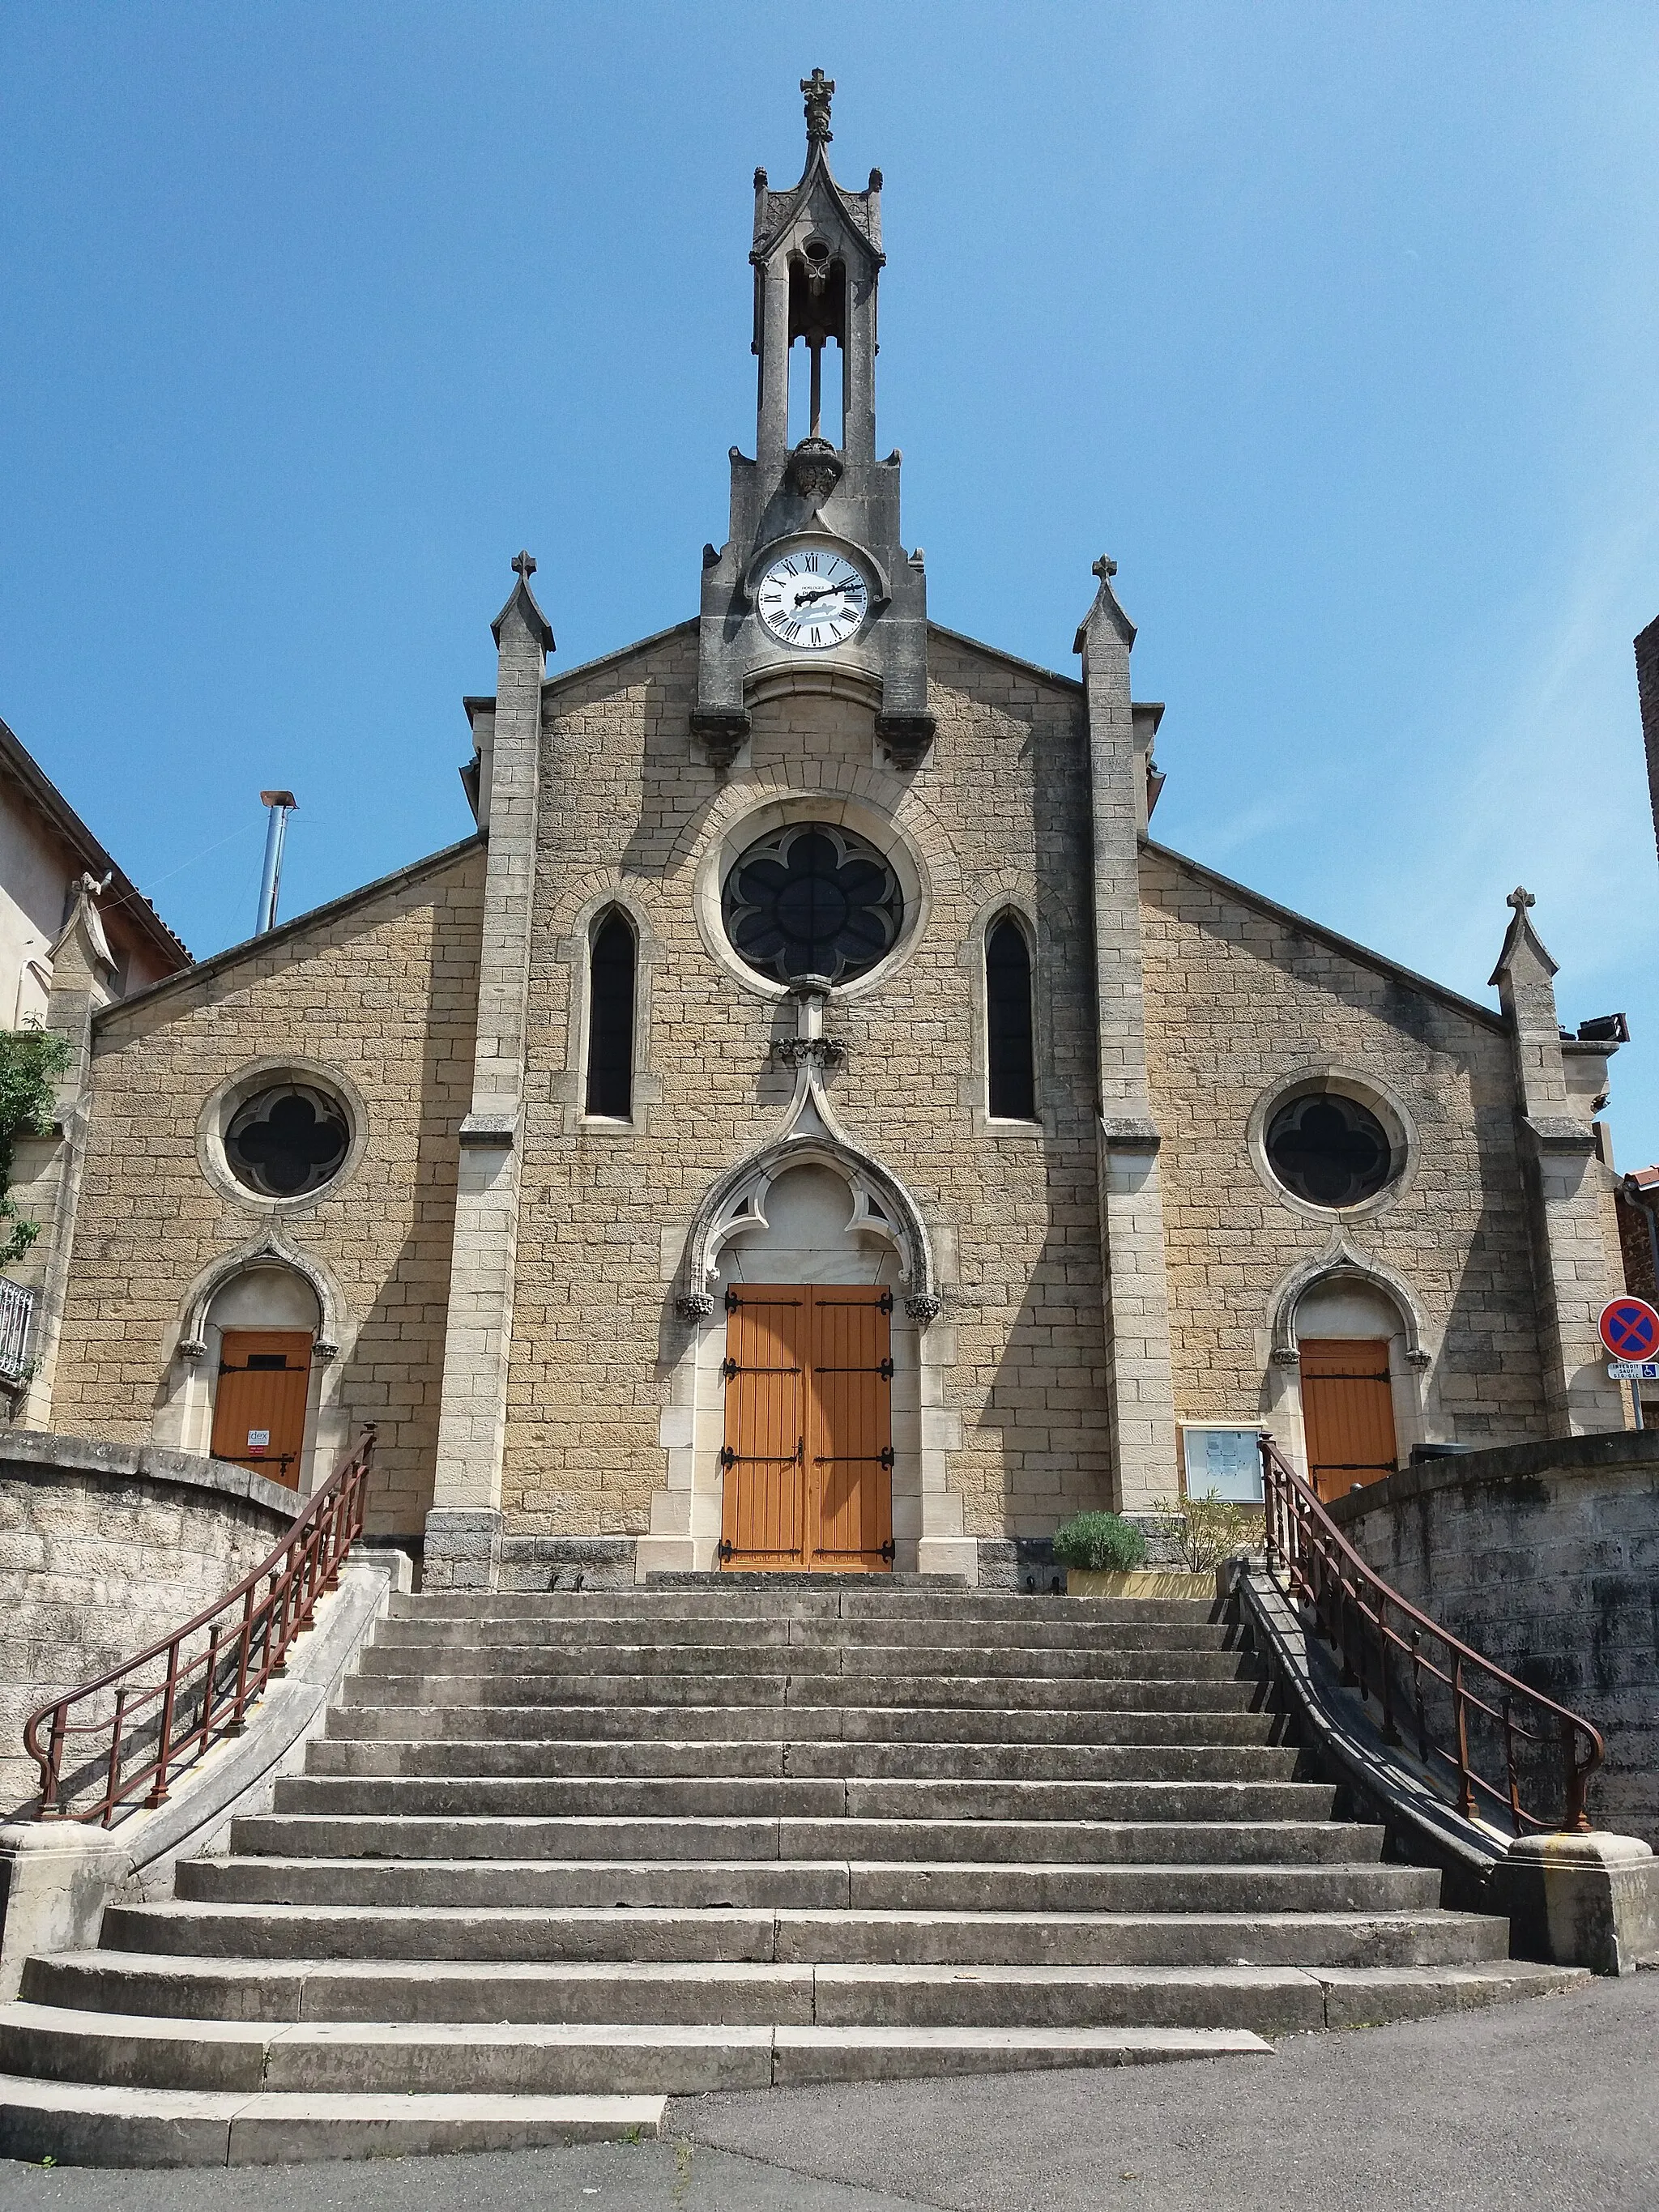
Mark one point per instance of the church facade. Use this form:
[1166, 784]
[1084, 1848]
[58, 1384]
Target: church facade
[813, 1122]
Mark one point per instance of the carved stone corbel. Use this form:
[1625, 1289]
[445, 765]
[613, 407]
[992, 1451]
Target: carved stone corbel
[722, 732]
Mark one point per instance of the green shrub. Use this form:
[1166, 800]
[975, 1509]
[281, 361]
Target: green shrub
[1101, 1543]
[31, 1061]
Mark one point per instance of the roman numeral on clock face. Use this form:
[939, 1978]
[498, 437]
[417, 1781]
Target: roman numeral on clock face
[813, 599]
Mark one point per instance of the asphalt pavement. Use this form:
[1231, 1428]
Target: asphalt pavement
[1551, 2102]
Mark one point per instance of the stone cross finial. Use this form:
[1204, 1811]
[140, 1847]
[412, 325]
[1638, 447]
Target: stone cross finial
[1103, 567]
[523, 564]
[1520, 899]
[818, 89]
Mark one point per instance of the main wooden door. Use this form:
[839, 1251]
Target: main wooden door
[259, 1409]
[809, 1428]
[1348, 1412]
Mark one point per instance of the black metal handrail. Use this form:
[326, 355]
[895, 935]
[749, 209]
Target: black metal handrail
[163, 1707]
[1393, 1653]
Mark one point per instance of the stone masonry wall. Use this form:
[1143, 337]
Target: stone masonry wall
[381, 989]
[999, 810]
[105, 1549]
[1544, 1556]
[1240, 1002]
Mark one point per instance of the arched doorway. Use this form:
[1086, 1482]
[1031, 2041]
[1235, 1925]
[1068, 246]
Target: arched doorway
[810, 1381]
[260, 1330]
[1359, 1398]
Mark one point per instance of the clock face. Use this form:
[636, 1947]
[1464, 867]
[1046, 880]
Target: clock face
[811, 597]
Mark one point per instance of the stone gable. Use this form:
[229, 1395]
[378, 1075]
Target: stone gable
[381, 989]
[1241, 1002]
[629, 809]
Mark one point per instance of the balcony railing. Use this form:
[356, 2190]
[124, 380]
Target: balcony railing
[16, 1322]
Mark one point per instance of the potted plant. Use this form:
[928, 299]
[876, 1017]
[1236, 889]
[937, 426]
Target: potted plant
[1104, 1556]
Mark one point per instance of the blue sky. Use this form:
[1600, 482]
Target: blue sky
[1336, 326]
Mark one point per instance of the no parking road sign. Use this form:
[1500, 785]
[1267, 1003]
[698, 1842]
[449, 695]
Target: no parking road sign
[1629, 1329]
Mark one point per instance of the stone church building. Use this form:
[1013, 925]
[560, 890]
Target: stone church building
[813, 1121]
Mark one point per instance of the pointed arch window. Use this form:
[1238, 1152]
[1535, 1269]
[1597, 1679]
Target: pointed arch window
[1009, 1054]
[611, 961]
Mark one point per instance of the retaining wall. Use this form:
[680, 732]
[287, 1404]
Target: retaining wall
[1545, 1558]
[103, 1548]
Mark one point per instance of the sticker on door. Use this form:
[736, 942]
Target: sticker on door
[259, 1439]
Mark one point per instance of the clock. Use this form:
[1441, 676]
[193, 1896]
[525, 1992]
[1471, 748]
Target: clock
[813, 598]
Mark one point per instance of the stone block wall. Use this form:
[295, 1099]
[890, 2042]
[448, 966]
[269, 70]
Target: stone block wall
[1242, 1001]
[630, 807]
[1544, 1558]
[105, 1548]
[380, 989]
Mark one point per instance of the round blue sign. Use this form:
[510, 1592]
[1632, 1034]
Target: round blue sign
[1629, 1328]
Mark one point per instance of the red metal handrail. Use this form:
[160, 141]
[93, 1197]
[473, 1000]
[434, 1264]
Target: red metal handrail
[1356, 1611]
[140, 1732]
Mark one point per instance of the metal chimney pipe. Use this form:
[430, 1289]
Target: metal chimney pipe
[282, 804]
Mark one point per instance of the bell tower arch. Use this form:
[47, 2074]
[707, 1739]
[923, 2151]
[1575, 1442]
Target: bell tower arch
[815, 522]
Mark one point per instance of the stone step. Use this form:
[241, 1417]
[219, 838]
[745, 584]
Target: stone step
[291, 2063]
[1081, 1631]
[1233, 1685]
[829, 1885]
[820, 1798]
[1079, 1843]
[663, 1758]
[89, 2123]
[188, 2005]
[796, 1725]
[815, 1664]
[996, 1613]
[794, 1937]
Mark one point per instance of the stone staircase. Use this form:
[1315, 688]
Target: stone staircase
[558, 1857]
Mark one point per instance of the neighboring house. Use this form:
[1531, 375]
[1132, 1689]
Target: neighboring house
[46, 850]
[812, 1123]
[53, 870]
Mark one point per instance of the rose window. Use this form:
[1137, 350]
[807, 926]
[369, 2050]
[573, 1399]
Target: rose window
[1330, 1150]
[812, 901]
[287, 1140]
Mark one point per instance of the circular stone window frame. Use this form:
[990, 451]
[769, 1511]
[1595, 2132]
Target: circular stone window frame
[797, 809]
[1398, 1126]
[227, 1100]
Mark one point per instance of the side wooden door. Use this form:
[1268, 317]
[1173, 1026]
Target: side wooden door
[808, 1456]
[1347, 1413]
[259, 1407]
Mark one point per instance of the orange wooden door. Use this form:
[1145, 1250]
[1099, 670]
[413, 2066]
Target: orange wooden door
[808, 1453]
[1348, 1412]
[849, 1430]
[259, 1408]
[763, 1518]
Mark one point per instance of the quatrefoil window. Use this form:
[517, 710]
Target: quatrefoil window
[1330, 1150]
[288, 1140]
[812, 900]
